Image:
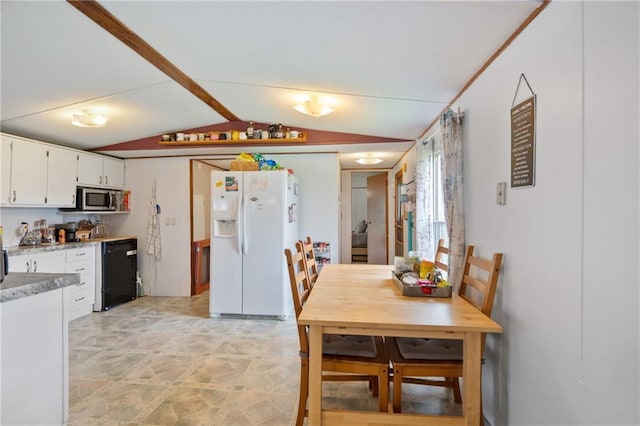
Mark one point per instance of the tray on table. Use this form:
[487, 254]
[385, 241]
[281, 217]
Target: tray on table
[421, 290]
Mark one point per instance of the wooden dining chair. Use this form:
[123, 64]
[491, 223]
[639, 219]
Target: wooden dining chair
[419, 361]
[310, 264]
[344, 358]
[441, 260]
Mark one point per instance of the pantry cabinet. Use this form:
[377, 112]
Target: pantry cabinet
[98, 171]
[37, 174]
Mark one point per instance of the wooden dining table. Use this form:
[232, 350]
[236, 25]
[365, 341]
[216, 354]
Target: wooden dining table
[363, 299]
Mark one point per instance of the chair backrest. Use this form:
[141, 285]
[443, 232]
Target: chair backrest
[480, 288]
[440, 261]
[300, 290]
[306, 248]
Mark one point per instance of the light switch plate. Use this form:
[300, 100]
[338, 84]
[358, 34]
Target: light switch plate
[501, 193]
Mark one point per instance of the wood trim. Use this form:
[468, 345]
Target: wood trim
[101, 16]
[489, 61]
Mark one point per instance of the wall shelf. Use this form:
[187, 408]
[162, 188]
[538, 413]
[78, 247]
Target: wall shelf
[240, 142]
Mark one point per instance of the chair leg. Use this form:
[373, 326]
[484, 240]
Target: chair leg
[383, 379]
[455, 384]
[304, 391]
[373, 385]
[397, 390]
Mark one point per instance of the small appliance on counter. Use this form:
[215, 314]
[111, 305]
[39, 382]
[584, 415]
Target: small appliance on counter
[70, 231]
[84, 229]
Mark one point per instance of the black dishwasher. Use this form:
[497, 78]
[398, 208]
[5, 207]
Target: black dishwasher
[119, 266]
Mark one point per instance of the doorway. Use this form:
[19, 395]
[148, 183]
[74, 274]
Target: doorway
[398, 224]
[365, 217]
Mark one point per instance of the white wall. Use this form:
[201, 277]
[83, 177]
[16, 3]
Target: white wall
[201, 199]
[173, 269]
[319, 179]
[568, 294]
[319, 210]
[611, 214]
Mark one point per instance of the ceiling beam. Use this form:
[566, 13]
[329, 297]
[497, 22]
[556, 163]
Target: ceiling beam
[101, 16]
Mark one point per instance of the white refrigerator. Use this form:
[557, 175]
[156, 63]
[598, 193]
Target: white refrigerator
[254, 217]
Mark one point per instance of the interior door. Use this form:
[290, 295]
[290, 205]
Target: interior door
[377, 218]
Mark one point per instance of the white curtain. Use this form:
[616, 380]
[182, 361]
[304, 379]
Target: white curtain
[453, 175]
[425, 195]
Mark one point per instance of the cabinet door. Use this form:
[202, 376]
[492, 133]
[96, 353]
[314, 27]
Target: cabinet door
[33, 361]
[5, 170]
[62, 174]
[51, 262]
[113, 173]
[90, 170]
[19, 264]
[28, 173]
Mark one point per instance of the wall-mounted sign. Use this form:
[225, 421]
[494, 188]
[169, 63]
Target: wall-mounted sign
[523, 143]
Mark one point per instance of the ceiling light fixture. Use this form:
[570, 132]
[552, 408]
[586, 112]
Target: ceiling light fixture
[88, 119]
[369, 161]
[313, 107]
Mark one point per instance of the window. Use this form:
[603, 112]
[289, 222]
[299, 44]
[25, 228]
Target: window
[430, 207]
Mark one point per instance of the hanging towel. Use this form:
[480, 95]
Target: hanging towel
[153, 226]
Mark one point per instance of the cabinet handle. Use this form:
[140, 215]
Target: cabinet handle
[14, 196]
[73, 199]
[82, 283]
[100, 180]
[82, 298]
[28, 266]
[80, 254]
[35, 266]
[106, 180]
[79, 269]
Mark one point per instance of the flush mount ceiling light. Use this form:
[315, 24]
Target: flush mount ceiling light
[369, 160]
[314, 107]
[88, 119]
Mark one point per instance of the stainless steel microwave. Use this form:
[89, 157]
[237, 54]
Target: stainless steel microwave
[96, 199]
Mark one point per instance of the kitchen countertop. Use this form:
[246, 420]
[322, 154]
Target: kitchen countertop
[42, 248]
[17, 285]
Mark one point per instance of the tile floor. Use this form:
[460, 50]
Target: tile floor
[163, 361]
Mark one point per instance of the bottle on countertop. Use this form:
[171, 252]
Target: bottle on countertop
[62, 236]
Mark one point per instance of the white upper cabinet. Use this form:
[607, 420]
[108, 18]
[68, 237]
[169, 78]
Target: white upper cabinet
[28, 176]
[5, 170]
[98, 171]
[37, 174]
[62, 175]
[114, 173]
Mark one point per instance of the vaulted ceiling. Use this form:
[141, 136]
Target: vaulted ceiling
[391, 66]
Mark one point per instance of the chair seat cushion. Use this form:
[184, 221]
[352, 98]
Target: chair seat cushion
[430, 349]
[346, 345]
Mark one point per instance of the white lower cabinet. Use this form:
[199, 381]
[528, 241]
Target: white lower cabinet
[34, 361]
[81, 260]
[52, 262]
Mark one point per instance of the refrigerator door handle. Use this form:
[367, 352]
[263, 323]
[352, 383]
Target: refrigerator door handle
[245, 242]
[238, 219]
